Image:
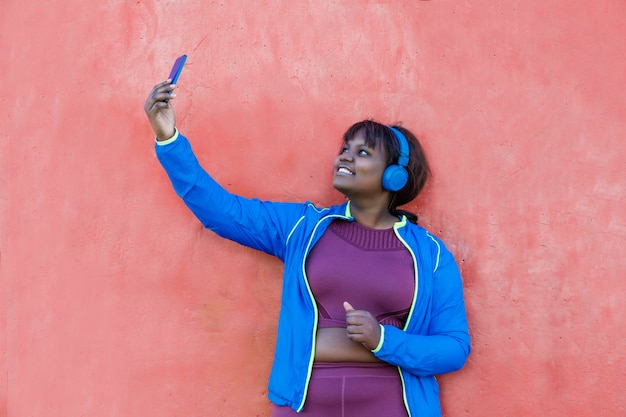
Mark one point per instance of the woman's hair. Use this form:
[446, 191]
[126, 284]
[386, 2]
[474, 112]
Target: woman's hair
[377, 134]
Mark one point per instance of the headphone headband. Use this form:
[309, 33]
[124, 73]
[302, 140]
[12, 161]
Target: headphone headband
[403, 159]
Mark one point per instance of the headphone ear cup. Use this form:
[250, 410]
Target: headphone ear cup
[395, 178]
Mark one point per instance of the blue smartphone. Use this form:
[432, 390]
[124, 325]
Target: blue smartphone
[177, 68]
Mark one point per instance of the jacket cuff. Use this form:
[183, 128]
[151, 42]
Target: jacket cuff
[382, 339]
[168, 141]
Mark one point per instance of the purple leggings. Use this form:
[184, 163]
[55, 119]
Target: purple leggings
[351, 390]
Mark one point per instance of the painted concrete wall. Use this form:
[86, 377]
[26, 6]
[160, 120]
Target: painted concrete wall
[118, 303]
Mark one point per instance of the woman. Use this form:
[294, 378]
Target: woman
[372, 304]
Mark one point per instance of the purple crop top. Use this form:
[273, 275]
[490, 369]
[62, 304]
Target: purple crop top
[369, 268]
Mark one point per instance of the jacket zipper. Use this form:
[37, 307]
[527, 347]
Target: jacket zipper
[413, 303]
[312, 297]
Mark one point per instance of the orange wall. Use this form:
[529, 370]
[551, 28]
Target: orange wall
[119, 304]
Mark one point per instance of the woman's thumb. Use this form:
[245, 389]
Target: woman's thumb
[347, 306]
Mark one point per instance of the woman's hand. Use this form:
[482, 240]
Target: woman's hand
[159, 110]
[362, 327]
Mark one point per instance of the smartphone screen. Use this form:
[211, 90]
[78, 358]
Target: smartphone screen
[177, 68]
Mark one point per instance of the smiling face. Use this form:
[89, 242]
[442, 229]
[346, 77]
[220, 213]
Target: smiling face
[359, 169]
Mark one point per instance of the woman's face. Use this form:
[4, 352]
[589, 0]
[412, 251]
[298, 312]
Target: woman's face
[359, 168]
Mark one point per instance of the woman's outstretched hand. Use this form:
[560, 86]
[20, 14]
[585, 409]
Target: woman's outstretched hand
[362, 327]
[160, 112]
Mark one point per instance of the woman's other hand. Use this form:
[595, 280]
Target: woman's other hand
[362, 327]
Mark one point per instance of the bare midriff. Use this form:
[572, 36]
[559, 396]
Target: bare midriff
[333, 345]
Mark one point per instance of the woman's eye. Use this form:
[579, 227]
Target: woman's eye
[363, 152]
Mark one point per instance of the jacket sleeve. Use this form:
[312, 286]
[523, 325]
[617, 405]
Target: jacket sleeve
[446, 344]
[254, 223]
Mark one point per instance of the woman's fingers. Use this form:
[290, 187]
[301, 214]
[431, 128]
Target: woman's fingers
[159, 96]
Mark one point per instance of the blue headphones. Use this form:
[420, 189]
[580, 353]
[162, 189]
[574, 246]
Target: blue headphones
[396, 176]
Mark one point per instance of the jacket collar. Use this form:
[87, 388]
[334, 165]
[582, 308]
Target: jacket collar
[397, 225]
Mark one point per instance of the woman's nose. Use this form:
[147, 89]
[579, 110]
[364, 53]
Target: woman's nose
[346, 156]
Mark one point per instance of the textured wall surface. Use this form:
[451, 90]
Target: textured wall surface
[118, 303]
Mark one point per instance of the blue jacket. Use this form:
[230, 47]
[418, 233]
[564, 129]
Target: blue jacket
[435, 339]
